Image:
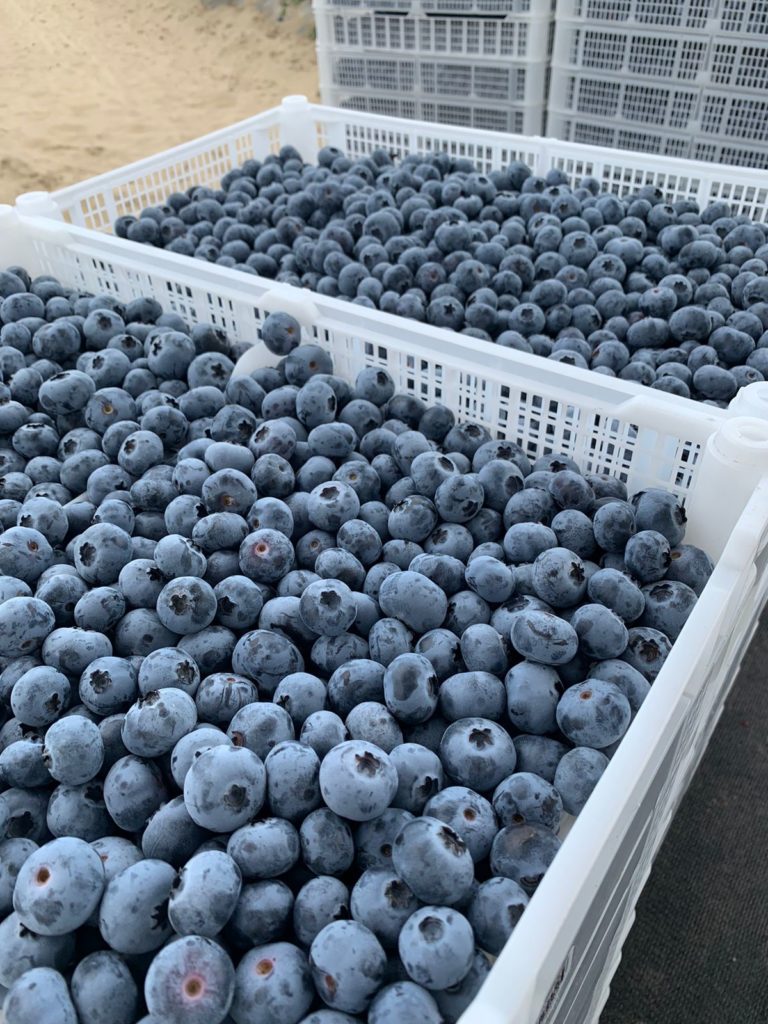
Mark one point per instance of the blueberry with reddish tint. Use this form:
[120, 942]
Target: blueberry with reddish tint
[273, 985]
[191, 979]
[266, 555]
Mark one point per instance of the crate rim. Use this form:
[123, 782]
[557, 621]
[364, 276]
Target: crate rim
[546, 147]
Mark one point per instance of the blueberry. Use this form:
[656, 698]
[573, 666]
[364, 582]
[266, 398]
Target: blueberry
[192, 979]
[559, 577]
[40, 695]
[58, 886]
[357, 780]
[158, 719]
[132, 916]
[264, 849]
[471, 693]
[319, 902]
[577, 775]
[103, 990]
[74, 750]
[262, 914]
[281, 333]
[543, 637]
[525, 798]
[410, 688]
[400, 1001]
[27, 950]
[523, 853]
[491, 579]
[647, 650]
[205, 894]
[225, 788]
[433, 860]
[470, 815]
[594, 713]
[38, 994]
[495, 909]
[436, 946]
[601, 632]
[168, 667]
[273, 985]
[617, 591]
[133, 790]
[347, 964]
[260, 727]
[477, 752]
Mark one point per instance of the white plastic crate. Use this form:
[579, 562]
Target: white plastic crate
[478, 63]
[683, 78]
[97, 202]
[557, 966]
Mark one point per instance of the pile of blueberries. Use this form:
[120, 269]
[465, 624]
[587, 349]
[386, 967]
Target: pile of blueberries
[659, 293]
[299, 676]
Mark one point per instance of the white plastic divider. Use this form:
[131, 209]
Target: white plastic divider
[97, 202]
[557, 966]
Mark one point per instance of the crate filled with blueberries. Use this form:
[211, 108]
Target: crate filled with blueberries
[301, 677]
[662, 293]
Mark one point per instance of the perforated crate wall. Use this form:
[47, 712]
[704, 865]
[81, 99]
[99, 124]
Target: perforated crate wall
[495, 82]
[496, 118]
[688, 14]
[679, 77]
[386, 31]
[474, 63]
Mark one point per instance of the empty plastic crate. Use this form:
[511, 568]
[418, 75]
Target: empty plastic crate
[478, 63]
[681, 78]
[557, 966]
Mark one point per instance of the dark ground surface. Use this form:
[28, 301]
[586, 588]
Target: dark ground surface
[698, 952]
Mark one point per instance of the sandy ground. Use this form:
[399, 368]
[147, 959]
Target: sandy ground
[89, 85]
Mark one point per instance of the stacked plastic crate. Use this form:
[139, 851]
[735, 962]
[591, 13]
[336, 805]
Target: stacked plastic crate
[476, 63]
[683, 78]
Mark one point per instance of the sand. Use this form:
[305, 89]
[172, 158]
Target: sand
[89, 85]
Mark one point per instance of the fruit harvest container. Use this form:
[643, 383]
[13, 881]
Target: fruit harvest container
[97, 202]
[557, 966]
[685, 78]
[479, 63]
